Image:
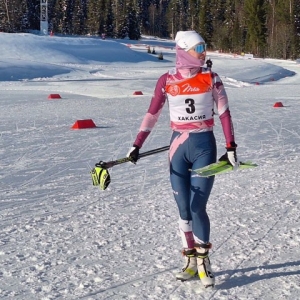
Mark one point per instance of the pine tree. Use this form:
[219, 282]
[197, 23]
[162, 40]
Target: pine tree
[93, 17]
[133, 23]
[56, 21]
[296, 24]
[5, 16]
[31, 19]
[62, 20]
[171, 16]
[193, 13]
[109, 23]
[263, 27]
[143, 15]
[178, 11]
[282, 39]
[256, 30]
[162, 22]
[206, 22]
[13, 12]
[233, 31]
[79, 16]
[129, 26]
[219, 39]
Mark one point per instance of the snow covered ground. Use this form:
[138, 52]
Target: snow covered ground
[62, 238]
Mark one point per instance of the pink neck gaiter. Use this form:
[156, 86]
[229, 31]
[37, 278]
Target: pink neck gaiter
[186, 64]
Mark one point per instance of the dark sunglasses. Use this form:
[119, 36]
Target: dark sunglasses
[200, 48]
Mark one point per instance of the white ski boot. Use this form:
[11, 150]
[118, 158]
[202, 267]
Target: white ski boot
[190, 268]
[204, 268]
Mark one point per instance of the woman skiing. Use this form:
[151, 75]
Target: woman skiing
[192, 91]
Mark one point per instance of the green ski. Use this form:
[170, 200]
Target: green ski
[221, 167]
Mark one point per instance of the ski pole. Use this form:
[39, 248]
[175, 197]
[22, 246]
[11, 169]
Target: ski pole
[100, 174]
[209, 64]
[119, 161]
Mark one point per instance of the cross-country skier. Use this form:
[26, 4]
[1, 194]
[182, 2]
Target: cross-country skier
[191, 91]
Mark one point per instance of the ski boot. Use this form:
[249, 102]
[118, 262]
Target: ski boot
[190, 268]
[203, 263]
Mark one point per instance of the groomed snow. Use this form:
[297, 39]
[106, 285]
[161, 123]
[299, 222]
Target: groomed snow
[62, 238]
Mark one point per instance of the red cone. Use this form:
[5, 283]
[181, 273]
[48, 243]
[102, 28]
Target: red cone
[278, 104]
[83, 124]
[54, 96]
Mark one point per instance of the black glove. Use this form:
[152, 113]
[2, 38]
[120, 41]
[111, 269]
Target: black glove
[134, 152]
[231, 156]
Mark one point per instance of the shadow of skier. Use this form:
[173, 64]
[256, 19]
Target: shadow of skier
[235, 280]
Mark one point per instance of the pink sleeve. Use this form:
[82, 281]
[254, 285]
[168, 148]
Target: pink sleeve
[157, 102]
[221, 100]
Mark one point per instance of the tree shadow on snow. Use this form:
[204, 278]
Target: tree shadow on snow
[237, 280]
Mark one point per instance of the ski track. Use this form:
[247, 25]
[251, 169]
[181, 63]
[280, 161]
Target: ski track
[122, 288]
[252, 253]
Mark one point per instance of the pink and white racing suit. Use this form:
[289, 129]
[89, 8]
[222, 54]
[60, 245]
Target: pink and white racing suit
[191, 106]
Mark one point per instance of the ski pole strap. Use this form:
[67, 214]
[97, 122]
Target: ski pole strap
[110, 164]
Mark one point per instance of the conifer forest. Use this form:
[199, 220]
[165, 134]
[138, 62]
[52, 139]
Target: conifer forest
[266, 28]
